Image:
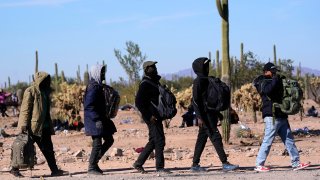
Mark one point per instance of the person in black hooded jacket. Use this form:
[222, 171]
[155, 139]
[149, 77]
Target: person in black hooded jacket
[207, 119]
[146, 94]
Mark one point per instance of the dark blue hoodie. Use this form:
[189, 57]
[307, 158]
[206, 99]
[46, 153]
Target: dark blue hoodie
[271, 92]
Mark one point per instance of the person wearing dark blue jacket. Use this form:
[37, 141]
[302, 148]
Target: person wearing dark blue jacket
[269, 85]
[207, 119]
[97, 125]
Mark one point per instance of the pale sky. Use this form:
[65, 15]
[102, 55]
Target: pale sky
[172, 32]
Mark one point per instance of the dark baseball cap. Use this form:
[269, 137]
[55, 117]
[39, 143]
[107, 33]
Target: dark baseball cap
[148, 63]
[270, 67]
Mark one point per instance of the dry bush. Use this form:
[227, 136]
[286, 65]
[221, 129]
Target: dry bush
[68, 100]
[247, 98]
[184, 98]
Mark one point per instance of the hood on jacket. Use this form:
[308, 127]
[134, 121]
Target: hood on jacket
[96, 73]
[200, 66]
[40, 77]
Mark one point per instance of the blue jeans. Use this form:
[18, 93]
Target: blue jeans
[282, 128]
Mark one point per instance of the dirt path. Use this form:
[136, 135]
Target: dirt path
[179, 152]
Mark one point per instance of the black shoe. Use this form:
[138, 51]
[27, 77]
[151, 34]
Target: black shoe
[58, 172]
[94, 172]
[163, 171]
[16, 173]
[140, 169]
[182, 126]
[95, 168]
[99, 170]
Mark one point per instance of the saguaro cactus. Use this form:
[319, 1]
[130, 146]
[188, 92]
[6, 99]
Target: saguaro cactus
[86, 77]
[274, 55]
[298, 73]
[63, 78]
[36, 66]
[78, 75]
[306, 86]
[241, 57]
[223, 9]
[56, 85]
[9, 82]
[217, 64]
[279, 64]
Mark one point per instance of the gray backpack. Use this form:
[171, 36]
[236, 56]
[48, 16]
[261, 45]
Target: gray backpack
[23, 154]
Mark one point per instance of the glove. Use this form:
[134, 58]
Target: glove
[99, 125]
[153, 119]
[23, 130]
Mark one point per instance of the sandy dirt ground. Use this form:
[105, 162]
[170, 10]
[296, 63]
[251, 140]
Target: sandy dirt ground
[72, 150]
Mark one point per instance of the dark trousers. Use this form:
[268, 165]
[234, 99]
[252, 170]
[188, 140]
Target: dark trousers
[210, 130]
[45, 145]
[157, 142]
[99, 149]
[3, 109]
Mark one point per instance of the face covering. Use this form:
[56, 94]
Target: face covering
[151, 71]
[103, 74]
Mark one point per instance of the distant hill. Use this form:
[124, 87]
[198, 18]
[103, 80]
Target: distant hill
[182, 73]
[305, 70]
[189, 72]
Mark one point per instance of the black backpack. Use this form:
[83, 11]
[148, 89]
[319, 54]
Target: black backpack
[167, 101]
[112, 98]
[23, 154]
[218, 95]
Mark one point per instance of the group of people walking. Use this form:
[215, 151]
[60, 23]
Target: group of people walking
[13, 100]
[101, 128]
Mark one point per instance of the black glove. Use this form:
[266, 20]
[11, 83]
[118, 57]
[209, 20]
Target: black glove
[99, 125]
[153, 119]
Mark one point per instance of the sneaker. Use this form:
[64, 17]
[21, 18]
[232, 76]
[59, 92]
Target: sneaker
[197, 168]
[163, 171]
[94, 172]
[140, 169]
[58, 172]
[16, 173]
[262, 169]
[229, 167]
[300, 166]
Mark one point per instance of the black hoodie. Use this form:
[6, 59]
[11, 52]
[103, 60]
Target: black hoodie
[200, 85]
[147, 93]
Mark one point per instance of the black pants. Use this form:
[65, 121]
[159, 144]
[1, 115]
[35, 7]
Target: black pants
[45, 145]
[157, 142]
[98, 149]
[3, 109]
[210, 130]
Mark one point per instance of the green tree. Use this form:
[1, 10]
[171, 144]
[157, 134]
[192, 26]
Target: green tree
[131, 62]
[286, 67]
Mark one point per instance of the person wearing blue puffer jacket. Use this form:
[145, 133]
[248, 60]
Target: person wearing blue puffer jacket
[97, 125]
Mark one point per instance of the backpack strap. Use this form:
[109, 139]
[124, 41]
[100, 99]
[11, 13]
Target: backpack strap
[150, 82]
